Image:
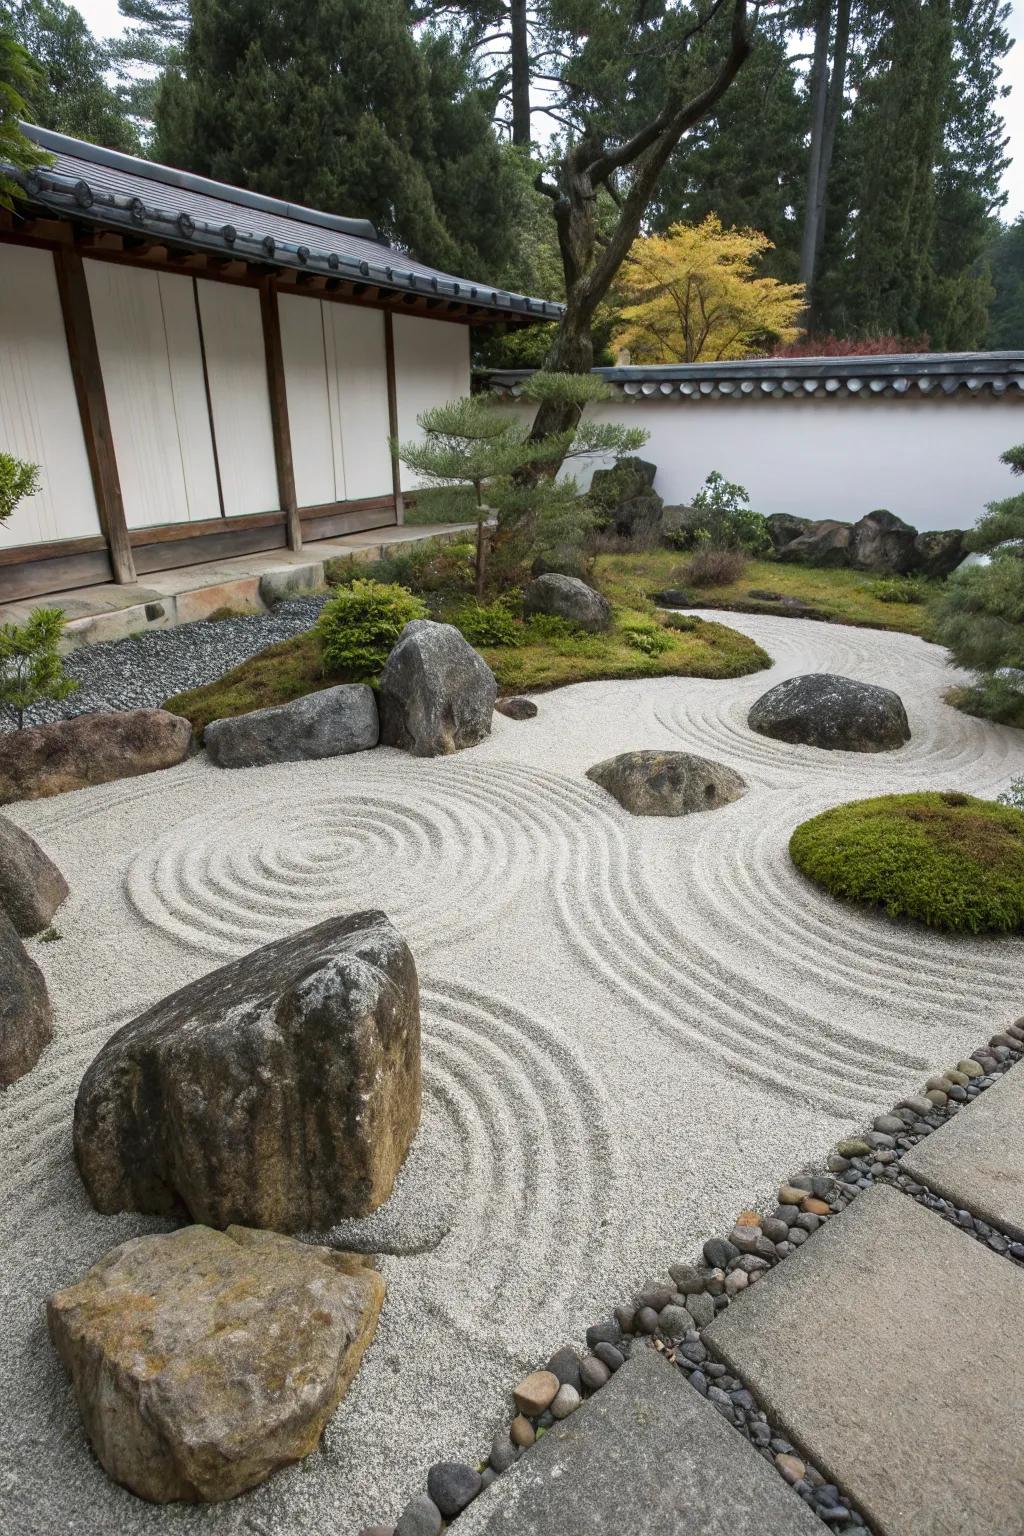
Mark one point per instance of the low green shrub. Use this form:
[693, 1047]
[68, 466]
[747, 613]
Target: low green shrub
[651, 639]
[899, 589]
[31, 669]
[683, 621]
[488, 624]
[18, 479]
[714, 567]
[944, 859]
[360, 624]
[723, 518]
[548, 629]
[1014, 796]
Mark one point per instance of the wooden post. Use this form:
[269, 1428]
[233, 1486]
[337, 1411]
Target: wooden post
[92, 407]
[279, 412]
[389, 363]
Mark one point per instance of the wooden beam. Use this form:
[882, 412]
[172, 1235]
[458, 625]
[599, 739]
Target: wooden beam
[279, 412]
[389, 365]
[92, 406]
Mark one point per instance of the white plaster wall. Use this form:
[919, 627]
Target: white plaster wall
[934, 462]
[358, 380]
[236, 368]
[39, 418]
[309, 406]
[431, 366]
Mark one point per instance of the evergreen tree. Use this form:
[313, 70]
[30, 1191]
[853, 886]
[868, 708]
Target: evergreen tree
[72, 94]
[1006, 258]
[336, 104]
[18, 77]
[149, 45]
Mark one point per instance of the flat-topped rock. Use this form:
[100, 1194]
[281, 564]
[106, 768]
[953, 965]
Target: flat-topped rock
[203, 1361]
[977, 1158]
[822, 709]
[281, 1091]
[889, 1347]
[31, 885]
[50, 759]
[647, 1456]
[328, 723]
[654, 783]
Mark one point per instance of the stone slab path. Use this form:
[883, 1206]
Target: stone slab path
[977, 1160]
[890, 1348]
[647, 1456]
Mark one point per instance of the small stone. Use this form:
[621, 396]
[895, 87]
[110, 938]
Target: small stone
[890, 1124]
[1005, 1041]
[377, 1530]
[957, 1094]
[959, 1078]
[852, 1147]
[797, 1235]
[452, 1485]
[790, 1194]
[535, 1392]
[787, 1213]
[611, 1357]
[647, 1320]
[567, 1399]
[937, 1097]
[808, 1220]
[687, 1279]
[715, 1282]
[606, 1333]
[626, 1319]
[745, 1239]
[487, 1477]
[718, 1252]
[736, 1280]
[791, 1467]
[517, 708]
[674, 1322]
[594, 1373]
[702, 1309]
[657, 1297]
[939, 1081]
[775, 1231]
[838, 1164]
[565, 1364]
[969, 1068]
[521, 1432]
[504, 1450]
[817, 1207]
[420, 1517]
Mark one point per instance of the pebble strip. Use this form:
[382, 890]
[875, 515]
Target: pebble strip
[669, 1315]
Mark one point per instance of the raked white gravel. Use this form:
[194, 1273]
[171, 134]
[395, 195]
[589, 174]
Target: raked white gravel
[632, 1028]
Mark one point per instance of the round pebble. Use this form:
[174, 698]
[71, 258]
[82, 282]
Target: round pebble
[789, 1194]
[969, 1068]
[791, 1467]
[522, 1432]
[674, 1322]
[594, 1373]
[702, 1309]
[718, 1252]
[604, 1333]
[504, 1451]
[567, 1400]
[420, 1517]
[452, 1485]
[736, 1280]
[646, 1320]
[937, 1096]
[609, 1356]
[565, 1365]
[535, 1392]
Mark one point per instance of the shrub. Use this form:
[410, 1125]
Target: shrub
[899, 589]
[488, 624]
[1014, 796]
[651, 639]
[360, 624]
[683, 621]
[713, 567]
[947, 860]
[723, 518]
[31, 669]
[18, 479]
[549, 629]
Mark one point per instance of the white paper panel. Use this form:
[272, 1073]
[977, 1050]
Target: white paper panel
[360, 398]
[129, 321]
[188, 390]
[309, 413]
[237, 371]
[431, 366]
[39, 418]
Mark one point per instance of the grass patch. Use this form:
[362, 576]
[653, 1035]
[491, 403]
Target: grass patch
[944, 859]
[841, 597]
[542, 655]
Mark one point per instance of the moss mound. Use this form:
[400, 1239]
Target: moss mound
[944, 859]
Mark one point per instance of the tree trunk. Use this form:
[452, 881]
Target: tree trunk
[520, 56]
[819, 95]
[833, 112]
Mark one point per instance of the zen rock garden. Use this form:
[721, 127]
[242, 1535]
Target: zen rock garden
[300, 1147]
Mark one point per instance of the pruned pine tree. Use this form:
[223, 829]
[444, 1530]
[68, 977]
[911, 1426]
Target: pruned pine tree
[19, 77]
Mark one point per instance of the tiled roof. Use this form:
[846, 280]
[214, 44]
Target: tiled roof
[124, 193]
[758, 378]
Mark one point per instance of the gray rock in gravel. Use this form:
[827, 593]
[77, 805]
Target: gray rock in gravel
[25, 1018]
[517, 708]
[566, 597]
[701, 1308]
[565, 1364]
[675, 1322]
[883, 542]
[420, 1517]
[654, 783]
[436, 695]
[90, 749]
[567, 1400]
[31, 885]
[328, 723]
[203, 1361]
[452, 1485]
[822, 709]
[503, 1451]
[281, 1091]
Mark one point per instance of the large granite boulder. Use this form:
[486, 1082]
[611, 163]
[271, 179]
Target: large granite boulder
[25, 1019]
[31, 885]
[626, 496]
[822, 709]
[566, 597]
[825, 544]
[883, 542]
[783, 528]
[324, 724]
[203, 1361]
[281, 1091]
[667, 783]
[436, 694]
[90, 749]
[938, 554]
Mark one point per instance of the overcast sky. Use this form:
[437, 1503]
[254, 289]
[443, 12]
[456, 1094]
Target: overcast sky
[104, 19]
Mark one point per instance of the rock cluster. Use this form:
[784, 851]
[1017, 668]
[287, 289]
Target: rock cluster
[89, 749]
[328, 723]
[203, 1361]
[281, 1091]
[821, 709]
[654, 783]
[880, 542]
[436, 695]
[566, 597]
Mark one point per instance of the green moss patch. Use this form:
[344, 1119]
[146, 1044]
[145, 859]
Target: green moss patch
[944, 859]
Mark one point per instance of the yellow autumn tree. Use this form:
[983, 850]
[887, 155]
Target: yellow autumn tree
[693, 295]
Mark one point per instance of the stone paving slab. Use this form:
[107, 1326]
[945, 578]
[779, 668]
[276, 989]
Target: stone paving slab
[890, 1348]
[646, 1456]
[977, 1158]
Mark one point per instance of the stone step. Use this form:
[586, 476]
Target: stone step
[646, 1456]
[977, 1158]
[889, 1348]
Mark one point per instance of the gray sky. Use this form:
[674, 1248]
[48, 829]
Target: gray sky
[104, 20]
